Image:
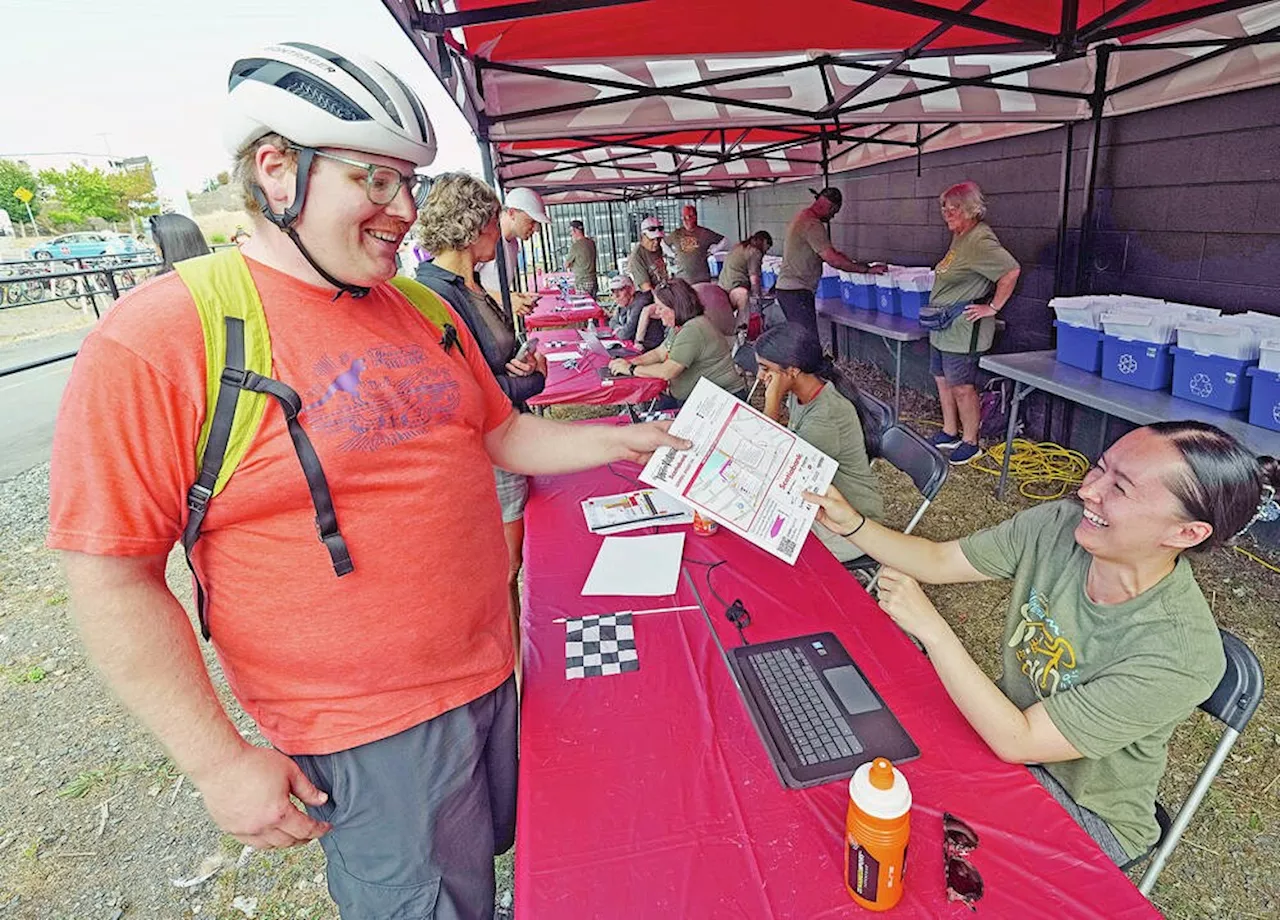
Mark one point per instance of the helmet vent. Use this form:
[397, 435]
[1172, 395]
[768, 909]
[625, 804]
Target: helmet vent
[322, 97]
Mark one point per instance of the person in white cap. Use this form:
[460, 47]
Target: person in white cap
[522, 211]
[377, 661]
[646, 265]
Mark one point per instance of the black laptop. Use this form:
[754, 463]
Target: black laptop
[817, 714]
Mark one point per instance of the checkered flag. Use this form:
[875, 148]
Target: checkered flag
[595, 646]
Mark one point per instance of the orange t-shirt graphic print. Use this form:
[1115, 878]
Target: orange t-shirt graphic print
[322, 663]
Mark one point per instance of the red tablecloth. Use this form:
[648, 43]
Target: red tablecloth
[582, 385]
[552, 311]
[649, 794]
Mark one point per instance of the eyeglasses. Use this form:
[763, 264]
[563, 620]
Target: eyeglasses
[383, 183]
[963, 881]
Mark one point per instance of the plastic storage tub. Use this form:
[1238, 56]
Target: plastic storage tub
[887, 295]
[1212, 380]
[1264, 402]
[913, 293]
[768, 279]
[1146, 365]
[1080, 312]
[1269, 355]
[857, 290]
[1142, 326]
[829, 284]
[1079, 346]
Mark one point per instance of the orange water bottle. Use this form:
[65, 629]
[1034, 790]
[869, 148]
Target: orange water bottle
[877, 828]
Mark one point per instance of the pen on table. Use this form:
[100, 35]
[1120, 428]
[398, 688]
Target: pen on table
[634, 613]
[647, 520]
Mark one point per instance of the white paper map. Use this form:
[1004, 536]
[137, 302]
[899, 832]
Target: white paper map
[744, 470]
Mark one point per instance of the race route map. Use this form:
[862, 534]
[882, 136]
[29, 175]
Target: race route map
[744, 470]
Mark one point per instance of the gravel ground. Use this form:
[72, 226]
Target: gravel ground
[96, 824]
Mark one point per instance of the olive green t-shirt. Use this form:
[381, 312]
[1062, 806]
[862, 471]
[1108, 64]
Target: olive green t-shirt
[968, 274]
[646, 267]
[704, 352]
[690, 247]
[1115, 679]
[582, 260]
[802, 253]
[743, 262]
[830, 423]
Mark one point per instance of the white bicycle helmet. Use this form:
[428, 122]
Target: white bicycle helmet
[319, 98]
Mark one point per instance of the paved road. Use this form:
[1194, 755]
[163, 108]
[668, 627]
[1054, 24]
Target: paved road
[29, 400]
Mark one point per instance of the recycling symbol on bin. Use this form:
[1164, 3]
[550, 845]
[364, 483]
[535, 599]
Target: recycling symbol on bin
[1201, 385]
[1275, 413]
[1127, 364]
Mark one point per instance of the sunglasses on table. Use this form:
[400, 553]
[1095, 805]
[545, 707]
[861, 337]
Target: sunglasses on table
[963, 881]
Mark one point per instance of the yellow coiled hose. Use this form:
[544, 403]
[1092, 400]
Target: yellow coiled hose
[1044, 470]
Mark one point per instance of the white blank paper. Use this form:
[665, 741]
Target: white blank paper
[637, 566]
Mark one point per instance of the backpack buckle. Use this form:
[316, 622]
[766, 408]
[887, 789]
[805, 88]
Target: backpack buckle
[236, 376]
[198, 498]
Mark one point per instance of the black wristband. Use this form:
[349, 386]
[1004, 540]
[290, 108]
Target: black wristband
[856, 529]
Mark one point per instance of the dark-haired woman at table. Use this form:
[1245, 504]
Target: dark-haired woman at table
[1108, 642]
[693, 348]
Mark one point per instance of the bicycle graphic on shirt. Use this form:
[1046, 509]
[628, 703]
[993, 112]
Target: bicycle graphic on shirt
[1046, 657]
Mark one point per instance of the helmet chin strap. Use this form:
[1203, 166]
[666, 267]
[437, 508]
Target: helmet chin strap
[286, 220]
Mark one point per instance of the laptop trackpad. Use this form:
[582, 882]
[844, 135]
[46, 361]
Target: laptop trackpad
[855, 695]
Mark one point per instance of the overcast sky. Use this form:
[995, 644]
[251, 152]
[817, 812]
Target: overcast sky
[147, 77]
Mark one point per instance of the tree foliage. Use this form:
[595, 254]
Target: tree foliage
[81, 194]
[16, 175]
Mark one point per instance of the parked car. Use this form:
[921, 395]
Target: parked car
[84, 245]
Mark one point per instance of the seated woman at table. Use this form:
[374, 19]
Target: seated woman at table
[459, 223]
[822, 408]
[693, 348]
[1108, 642]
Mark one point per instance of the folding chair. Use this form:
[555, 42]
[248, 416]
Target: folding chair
[1233, 703]
[745, 360]
[879, 410]
[909, 452]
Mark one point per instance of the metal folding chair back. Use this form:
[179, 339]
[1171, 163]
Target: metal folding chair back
[1233, 703]
[924, 463]
[873, 408]
[745, 360]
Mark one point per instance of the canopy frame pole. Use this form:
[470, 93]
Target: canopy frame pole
[440, 23]
[1092, 33]
[1262, 38]
[1102, 65]
[967, 20]
[1060, 285]
[613, 241]
[919, 150]
[826, 159]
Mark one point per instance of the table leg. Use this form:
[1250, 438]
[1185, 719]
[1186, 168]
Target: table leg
[897, 382]
[1019, 391]
[1102, 435]
[835, 341]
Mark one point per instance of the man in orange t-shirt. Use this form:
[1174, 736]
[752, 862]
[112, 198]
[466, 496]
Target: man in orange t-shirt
[387, 693]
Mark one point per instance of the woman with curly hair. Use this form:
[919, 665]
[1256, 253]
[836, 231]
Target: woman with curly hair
[459, 224]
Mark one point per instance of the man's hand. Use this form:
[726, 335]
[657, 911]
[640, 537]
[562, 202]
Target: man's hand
[619, 366]
[834, 512]
[522, 302]
[249, 799]
[904, 600]
[877, 269]
[977, 311]
[638, 442]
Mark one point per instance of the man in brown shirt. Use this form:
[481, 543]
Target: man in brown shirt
[806, 247]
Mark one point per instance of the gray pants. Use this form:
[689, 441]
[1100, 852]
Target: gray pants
[418, 817]
[1093, 825]
[798, 307]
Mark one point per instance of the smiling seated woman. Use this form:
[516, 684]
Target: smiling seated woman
[1108, 642]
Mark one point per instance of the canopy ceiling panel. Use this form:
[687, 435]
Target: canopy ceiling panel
[727, 97]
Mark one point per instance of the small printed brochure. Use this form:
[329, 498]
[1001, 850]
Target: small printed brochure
[634, 510]
[744, 470]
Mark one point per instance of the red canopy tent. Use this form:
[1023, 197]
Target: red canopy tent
[597, 99]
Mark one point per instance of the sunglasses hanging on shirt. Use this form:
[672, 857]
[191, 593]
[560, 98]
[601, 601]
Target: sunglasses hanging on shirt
[964, 883]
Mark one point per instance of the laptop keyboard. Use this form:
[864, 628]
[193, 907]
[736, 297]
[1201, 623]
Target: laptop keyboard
[814, 723]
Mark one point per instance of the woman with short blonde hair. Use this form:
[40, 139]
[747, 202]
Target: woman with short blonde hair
[459, 225]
